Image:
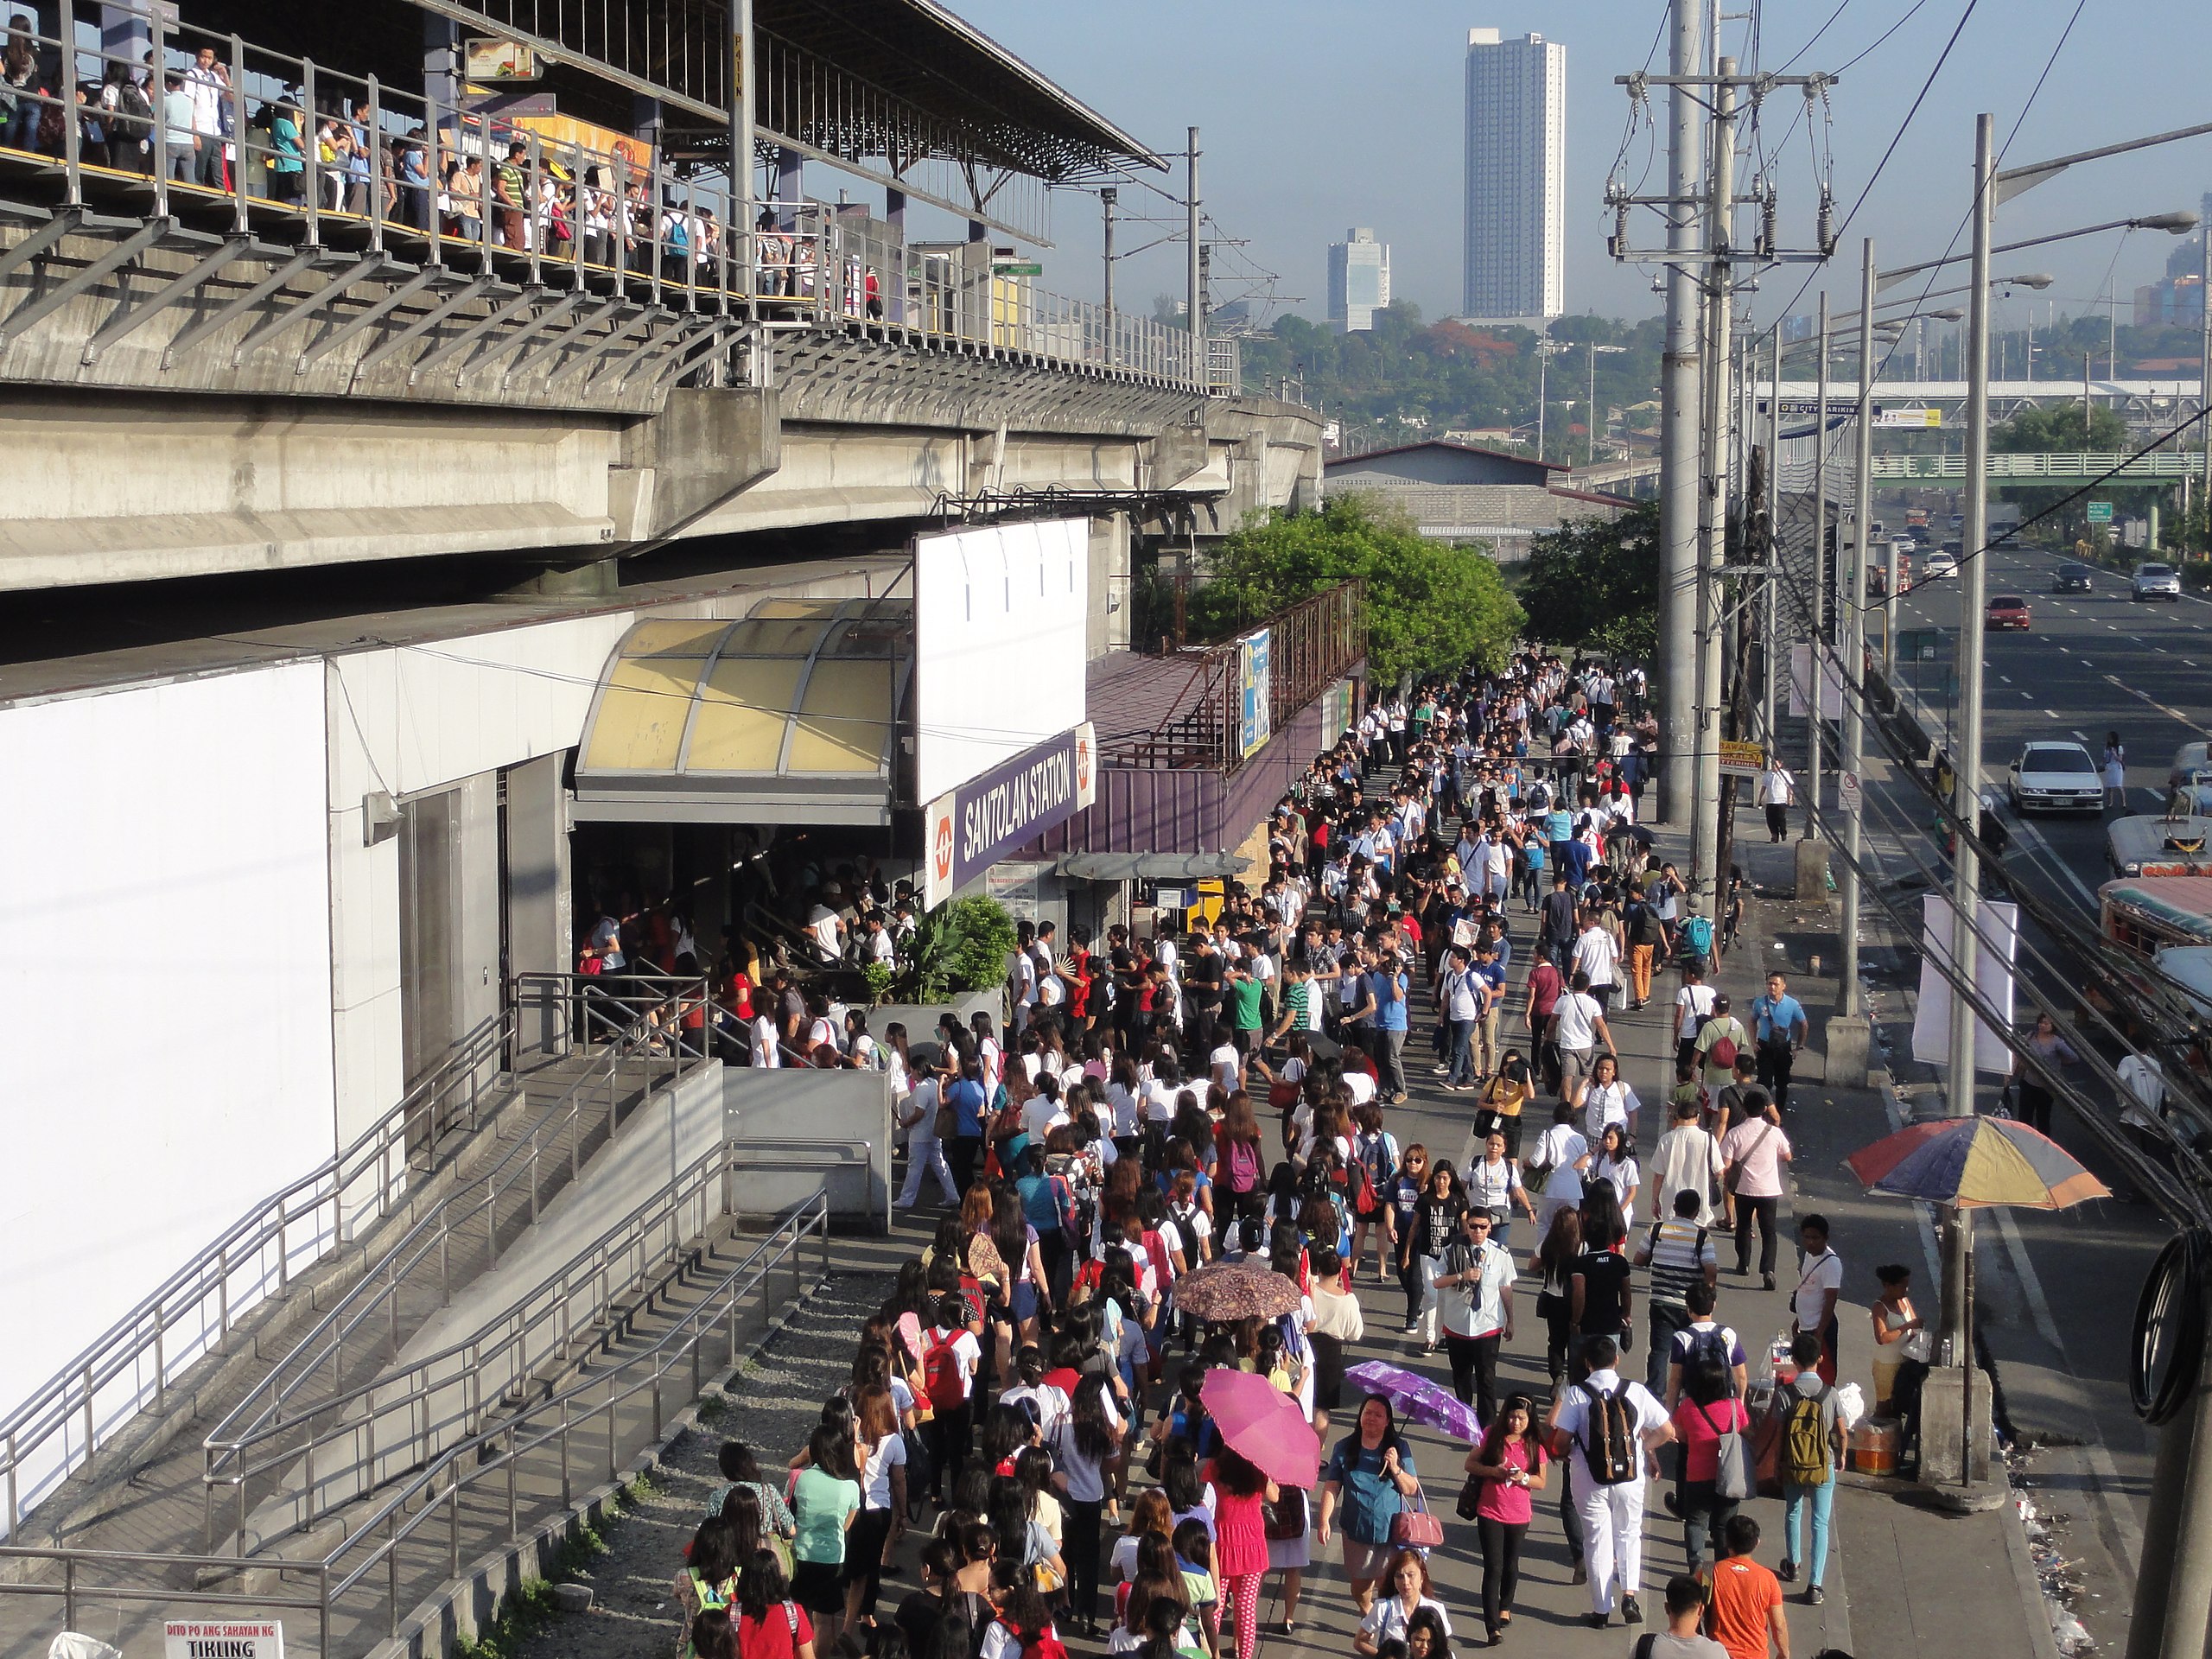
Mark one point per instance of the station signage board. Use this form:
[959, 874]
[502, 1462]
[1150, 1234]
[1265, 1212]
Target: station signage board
[968, 829]
[210, 1638]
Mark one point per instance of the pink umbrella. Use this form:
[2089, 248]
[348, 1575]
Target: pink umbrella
[1259, 1421]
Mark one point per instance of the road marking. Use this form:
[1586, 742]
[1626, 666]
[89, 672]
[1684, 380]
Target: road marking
[2007, 678]
[2053, 713]
[2185, 662]
[2079, 736]
[2070, 653]
[2031, 839]
[2086, 663]
[2170, 713]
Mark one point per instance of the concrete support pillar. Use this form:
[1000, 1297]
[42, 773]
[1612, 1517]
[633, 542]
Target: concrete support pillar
[645, 118]
[441, 61]
[790, 187]
[124, 34]
[894, 215]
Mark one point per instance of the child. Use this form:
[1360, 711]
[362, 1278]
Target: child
[1194, 1559]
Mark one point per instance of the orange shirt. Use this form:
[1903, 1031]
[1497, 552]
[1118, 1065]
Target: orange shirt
[1742, 1594]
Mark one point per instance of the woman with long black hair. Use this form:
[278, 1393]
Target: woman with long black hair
[1086, 1447]
[881, 1454]
[1510, 1464]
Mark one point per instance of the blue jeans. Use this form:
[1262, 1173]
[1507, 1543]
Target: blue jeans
[1793, 1501]
[1463, 1060]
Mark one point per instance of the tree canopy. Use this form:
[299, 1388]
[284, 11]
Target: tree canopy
[1431, 606]
[2058, 429]
[1594, 583]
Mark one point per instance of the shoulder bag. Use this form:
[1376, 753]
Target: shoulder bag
[1417, 1528]
[1732, 1469]
[1733, 1176]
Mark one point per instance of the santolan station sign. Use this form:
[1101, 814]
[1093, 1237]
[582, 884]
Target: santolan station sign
[968, 829]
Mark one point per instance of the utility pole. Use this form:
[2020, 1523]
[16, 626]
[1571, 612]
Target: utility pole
[1770, 639]
[1816, 689]
[2204, 380]
[1956, 1350]
[1851, 597]
[1107, 198]
[1195, 313]
[1713, 504]
[1679, 420]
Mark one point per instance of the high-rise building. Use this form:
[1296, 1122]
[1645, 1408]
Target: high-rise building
[1516, 178]
[1359, 280]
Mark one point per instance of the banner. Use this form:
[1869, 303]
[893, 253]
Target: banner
[968, 829]
[1252, 691]
[1801, 682]
[1999, 925]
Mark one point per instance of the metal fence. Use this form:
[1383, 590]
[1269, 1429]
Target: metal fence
[366, 182]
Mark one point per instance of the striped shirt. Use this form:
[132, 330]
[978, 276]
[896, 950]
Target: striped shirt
[1680, 1252]
[1298, 1001]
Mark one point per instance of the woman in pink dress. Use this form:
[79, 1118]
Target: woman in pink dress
[1240, 1542]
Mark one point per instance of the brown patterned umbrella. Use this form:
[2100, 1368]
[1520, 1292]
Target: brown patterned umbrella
[1227, 1291]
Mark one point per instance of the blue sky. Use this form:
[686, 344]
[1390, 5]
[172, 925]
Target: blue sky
[1318, 117]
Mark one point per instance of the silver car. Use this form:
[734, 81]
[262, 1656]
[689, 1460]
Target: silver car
[2157, 581]
[2055, 778]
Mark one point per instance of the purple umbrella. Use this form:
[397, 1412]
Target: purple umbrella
[1416, 1398]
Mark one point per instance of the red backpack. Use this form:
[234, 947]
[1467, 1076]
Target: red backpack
[941, 1378]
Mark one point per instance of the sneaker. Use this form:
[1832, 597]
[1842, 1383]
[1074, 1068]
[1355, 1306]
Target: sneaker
[1815, 1595]
[1631, 1613]
[1408, 1328]
[1787, 1571]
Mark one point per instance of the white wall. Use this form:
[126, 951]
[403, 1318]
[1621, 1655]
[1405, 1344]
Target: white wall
[405, 719]
[164, 997]
[982, 597]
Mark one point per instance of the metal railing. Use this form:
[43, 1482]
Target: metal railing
[367, 181]
[1309, 644]
[631, 1052]
[132, 1364]
[578, 1424]
[2158, 463]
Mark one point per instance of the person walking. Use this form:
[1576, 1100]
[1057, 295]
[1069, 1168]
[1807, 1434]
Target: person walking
[1383, 1005]
[1557, 1165]
[1578, 1026]
[1745, 1614]
[1708, 1412]
[1474, 1308]
[1779, 1027]
[2035, 1096]
[1462, 995]
[2114, 772]
[1679, 1251]
[1684, 1636]
[1608, 1430]
[1812, 1442]
[1494, 1186]
[1751, 1156]
[1686, 1160]
[1777, 791]
[1509, 1467]
[1368, 1479]
[920, 1113]
[1820, 1283]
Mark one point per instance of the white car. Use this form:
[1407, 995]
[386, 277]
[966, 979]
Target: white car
[2055, 778]
[2157, 581]
[1938, 565]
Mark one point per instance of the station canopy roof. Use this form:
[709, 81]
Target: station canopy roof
[791, 715]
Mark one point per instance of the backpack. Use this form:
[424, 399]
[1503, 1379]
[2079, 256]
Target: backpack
[1706, 1344]
[1611, 1449]
[1804, 1442]
[1723, 1051]
[941, 1379]
[1697, 936]
[1038, 1644]
[1377, 1160]
[1079, 1217]
[1240, 1163]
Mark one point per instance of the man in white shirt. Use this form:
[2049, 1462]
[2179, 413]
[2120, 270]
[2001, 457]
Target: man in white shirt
[1475, 1308]
[1021, 974]
[1693, 1007]
[924, 1152]
[1777, 789]
[1578, 1024]
[1820, 1284]
[1686, 1160]
[1606, 1425]
[1597, 957]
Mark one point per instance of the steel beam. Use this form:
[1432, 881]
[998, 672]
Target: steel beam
[60, 225]
[422, 325]
[128, 319]
[603, 345]
[475, 332]
[307, 307]
[690, 355]
[553, 348]
[353, 325]
[621, 367]
[253, 296]
[122, 254]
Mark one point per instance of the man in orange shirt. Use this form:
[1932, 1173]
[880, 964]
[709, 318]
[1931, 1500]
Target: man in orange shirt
[1745, 1611]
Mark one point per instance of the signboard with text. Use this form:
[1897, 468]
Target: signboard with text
[2101, 513]
[1922, 418]
[966, 830]
[250, 1638]
[1741, 759]
[1253, 688]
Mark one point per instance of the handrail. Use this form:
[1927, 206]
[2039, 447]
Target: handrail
[446, 1099]
[436, 1491]
[377, 1291]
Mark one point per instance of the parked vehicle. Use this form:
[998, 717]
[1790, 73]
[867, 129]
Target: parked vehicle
[2147, 846]
[2055, 778]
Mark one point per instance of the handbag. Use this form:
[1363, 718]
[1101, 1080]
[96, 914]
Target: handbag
[1284, 1519]
[1417, 1528]
[1470, 1497]
[1918, 1346]
[1731, 1471]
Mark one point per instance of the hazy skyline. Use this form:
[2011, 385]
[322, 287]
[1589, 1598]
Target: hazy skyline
[1316, 118]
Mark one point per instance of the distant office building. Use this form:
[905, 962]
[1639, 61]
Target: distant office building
[2180, 297]
[1516, 178]
[1359, 280]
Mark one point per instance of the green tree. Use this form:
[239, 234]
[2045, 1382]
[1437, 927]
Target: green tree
[2058, 429]
[1431, 606]
[1596, 583]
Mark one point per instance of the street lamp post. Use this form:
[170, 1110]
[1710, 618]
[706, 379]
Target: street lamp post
[1590, 428]
[1852, 598]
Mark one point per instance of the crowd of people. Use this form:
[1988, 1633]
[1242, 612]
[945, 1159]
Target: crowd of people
[1031, 1394]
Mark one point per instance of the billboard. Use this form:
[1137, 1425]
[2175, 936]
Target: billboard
[1252, 685]
[967, 830]
[1001, 616]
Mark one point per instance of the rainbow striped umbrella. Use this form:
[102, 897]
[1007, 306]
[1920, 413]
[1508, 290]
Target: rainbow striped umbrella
[1973, 1163]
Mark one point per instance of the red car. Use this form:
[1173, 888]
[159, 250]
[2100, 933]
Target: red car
[2008, 610]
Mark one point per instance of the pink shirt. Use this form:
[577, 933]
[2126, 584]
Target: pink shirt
[1701, 1427]
[1501, 1500]
[1761, 1175]
[1240, 1540]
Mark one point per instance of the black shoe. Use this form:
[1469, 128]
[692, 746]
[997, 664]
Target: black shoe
[1598, 1621]
[1787, 1571]
[1815, 1595]
[1673, 1504]
[1766, 1281]
[1630, 1612]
